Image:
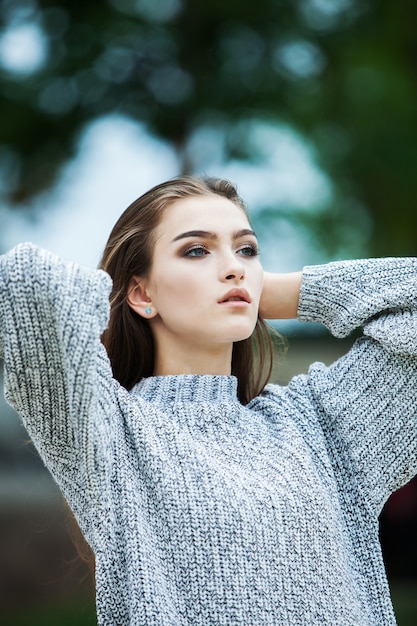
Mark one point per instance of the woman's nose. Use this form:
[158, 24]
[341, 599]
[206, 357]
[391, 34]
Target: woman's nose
[233, 269]
[238, 275]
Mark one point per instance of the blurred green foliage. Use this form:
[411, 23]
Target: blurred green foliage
[341, 73]
[60, 615]
[404, 598]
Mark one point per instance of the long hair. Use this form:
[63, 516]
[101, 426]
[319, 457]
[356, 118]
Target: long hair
[128, 252]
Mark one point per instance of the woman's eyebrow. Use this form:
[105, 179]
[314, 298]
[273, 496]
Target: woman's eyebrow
[205, 234]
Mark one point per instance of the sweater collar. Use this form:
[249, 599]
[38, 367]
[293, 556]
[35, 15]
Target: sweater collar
[187, 388]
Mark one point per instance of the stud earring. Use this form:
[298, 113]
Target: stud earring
[148, 310]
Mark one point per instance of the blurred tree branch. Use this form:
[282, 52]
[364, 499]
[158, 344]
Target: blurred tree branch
[342, 74]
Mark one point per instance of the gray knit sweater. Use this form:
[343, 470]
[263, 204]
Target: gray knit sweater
[204, 512]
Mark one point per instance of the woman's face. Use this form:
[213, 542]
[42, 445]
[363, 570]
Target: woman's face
[206, 278]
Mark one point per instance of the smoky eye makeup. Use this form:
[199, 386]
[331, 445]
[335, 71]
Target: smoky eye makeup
[248, 249]
[195, 250]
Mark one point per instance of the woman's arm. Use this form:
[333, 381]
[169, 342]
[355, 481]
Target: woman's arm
[52, 315]
[366, 401]
[280, 295]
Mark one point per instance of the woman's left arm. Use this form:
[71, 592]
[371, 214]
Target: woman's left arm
[367, 400]
[280, 296]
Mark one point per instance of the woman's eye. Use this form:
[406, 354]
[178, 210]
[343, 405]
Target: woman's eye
[249, 250]
[196, 251]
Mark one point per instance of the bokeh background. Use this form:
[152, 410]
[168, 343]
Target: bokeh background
[309, 106]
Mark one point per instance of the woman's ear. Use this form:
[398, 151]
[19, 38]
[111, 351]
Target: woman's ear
[138, 298]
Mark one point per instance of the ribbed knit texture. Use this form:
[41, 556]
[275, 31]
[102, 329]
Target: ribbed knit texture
[203, 512]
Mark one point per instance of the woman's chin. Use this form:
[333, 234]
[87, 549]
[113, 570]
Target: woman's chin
[242, 333]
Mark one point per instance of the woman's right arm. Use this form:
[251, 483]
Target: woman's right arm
[52, 315]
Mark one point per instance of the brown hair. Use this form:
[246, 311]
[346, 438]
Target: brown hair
[128, 252]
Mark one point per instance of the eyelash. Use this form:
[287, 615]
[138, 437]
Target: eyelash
[254, 251]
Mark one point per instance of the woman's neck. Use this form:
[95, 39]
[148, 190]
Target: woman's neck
[215, 360]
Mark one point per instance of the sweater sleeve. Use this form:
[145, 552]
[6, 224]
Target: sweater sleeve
[52, 315]
[367, 400]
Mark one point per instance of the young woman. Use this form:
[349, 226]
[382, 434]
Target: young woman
[208, 499]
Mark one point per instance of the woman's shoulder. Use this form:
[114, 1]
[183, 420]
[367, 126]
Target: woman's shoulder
[292, 398]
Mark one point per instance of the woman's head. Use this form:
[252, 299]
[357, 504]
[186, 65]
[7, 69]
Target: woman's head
[142, 238]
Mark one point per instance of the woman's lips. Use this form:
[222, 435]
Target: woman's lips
[236, 297]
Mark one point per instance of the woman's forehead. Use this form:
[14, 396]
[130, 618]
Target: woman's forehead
[205, 212]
